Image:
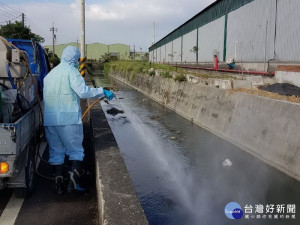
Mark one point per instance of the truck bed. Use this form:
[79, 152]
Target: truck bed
[15, 137]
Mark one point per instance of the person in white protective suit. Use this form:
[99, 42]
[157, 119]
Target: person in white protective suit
[63, 89]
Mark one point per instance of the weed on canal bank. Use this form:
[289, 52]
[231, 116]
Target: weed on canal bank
[131, 68]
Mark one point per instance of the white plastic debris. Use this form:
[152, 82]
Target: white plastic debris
[227, 163]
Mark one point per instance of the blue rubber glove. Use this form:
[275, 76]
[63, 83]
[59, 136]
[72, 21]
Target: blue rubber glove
[108, 94]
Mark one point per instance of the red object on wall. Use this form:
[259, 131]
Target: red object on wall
[216, 62]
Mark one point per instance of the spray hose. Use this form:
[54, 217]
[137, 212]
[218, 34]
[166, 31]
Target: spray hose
[90, 107]
[37, 151]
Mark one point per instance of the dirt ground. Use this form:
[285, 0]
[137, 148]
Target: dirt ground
[268, 94]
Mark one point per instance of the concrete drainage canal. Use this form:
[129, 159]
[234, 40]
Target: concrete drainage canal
[183, 174]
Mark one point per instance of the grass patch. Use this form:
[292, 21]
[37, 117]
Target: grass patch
[166, 74]
[151, 73]
[89, 70]
[132, 68]
[180, 78]
[106, 69]
[129, 69]
[139, 66]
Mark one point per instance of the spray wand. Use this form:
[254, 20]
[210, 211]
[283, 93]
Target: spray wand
[113, 111]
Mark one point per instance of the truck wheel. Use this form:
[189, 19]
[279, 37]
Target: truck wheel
[24, 192]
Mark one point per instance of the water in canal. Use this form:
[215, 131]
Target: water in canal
[185, 175]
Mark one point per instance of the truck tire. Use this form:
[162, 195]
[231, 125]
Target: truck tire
[24, 192]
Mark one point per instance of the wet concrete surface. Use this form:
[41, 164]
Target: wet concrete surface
[45, 207]
[183, 174]
[282, 89]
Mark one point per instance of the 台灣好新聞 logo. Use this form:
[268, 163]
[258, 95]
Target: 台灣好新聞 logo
[233, 211]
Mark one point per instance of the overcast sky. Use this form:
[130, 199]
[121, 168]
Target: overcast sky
[107, 21]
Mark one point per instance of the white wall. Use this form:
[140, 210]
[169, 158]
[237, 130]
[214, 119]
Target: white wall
[288, 30]
[251, 30]
[151, 56]
[189, 41]
[177, 50]
[210, 38]
[169, 52]
[159, 55]
[156, 55]
[163, 53]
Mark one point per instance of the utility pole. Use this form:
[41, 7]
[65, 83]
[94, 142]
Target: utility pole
[153, 32]
[23, 19]
[86, 50]
[82, 43]
[153, 41]
[82, 46]
[266, 43]
[133, 52]
[53, 29]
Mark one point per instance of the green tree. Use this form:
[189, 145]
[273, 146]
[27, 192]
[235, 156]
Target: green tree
[107, 57]
[146, 56]
[195, 49]
[54, 61]
[18, 31]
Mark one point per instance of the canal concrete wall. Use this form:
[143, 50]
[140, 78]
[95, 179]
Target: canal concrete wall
[267, 128]
[118, 203]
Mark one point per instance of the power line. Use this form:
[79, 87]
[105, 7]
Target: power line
[8, 20]
[8, 17]
[30, 23]
[11, 9]
[2, 16]
[11, 19]
[8, 13]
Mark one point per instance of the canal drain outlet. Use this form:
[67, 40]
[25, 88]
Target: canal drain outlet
[114, 111]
